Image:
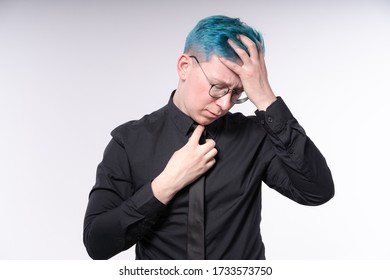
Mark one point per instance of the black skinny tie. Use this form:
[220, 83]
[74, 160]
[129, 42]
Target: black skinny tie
[195, 230]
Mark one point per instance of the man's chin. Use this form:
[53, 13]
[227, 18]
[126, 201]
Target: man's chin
[206, 120]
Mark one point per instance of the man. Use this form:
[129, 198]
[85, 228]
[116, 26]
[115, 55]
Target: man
[176, 195]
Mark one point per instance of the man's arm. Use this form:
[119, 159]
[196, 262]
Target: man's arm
[116, 216]
[298, 169]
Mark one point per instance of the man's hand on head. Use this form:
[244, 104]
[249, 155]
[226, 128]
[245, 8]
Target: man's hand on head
[252, 72]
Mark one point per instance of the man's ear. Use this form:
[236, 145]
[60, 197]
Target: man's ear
[183, 66]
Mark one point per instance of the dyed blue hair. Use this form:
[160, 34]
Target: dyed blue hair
[210, 37]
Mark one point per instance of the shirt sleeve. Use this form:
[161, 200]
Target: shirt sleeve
[117, 216]
[298, 170]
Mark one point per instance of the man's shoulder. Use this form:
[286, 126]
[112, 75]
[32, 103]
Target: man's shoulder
[147, 123]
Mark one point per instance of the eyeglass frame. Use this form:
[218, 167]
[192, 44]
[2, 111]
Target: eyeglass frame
[238, 101]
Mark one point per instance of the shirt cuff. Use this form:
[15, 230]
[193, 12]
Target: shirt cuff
[276, 116]
[146, 203]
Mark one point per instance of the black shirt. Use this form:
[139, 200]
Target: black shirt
[270, 146]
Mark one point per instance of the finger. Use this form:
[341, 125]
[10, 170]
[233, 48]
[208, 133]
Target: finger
[261, 49]
[242, 54]
[195, 137]
[211, 141]
[208, 146]
[211, 154]
[251, 45]
[210, 163]
[231, 65]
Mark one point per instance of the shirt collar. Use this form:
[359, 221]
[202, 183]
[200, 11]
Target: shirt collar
[180, 119]
[183, 122]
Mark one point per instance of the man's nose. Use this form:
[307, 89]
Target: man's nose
[224, 102]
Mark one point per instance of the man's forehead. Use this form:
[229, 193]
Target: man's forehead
[220, 74]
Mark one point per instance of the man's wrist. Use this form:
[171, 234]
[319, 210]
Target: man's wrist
[164, 188]
[264, 102]
[159, 192]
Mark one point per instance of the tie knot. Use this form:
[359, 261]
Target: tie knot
[193, 126]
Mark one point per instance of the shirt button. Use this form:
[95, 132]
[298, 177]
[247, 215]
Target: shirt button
[270, 119]
[291, 150]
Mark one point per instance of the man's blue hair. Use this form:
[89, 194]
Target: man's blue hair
[210, 37]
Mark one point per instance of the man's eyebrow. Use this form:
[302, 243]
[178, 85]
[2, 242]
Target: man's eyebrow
[216, 81]
[224, 84]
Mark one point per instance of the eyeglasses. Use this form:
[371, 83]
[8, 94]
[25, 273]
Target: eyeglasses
[218, 91]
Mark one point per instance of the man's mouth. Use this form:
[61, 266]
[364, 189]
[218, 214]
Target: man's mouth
[214, 115]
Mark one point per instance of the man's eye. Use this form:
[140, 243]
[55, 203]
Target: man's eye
[220, 87]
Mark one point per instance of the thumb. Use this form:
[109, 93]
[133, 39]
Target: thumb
[195, 137]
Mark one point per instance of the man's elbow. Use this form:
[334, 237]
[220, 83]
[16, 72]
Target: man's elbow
[324, 186]
[327, 193]
[97, 248]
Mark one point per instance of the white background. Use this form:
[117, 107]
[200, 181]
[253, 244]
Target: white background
[71, 71]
